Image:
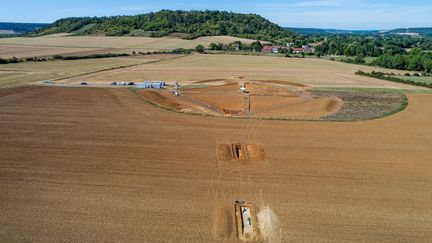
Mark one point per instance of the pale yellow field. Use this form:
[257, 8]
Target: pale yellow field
[194, 68]
[121, 43]
[225, 39]
[31, 72]
[19, 51]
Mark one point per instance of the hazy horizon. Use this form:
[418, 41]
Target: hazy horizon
[323, 14]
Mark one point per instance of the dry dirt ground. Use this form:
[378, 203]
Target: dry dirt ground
[83, 164]
[262, 100]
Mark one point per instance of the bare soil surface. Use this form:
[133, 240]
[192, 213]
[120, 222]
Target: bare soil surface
[86, 165]
[265, 101]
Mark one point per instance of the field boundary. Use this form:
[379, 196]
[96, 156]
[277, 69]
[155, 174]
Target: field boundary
[382, 76]
[116, 68]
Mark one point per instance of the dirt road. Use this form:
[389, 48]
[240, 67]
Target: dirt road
[102, 165]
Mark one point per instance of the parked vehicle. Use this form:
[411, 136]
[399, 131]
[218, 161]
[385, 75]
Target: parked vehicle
[83, 83]
[131, 83]
[114, 83]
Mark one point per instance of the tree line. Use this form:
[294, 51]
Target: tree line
[390, 77]
[397, 52]
[373, 46]
[415, 60]
[255, 46]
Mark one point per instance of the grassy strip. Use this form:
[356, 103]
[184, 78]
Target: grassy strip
[403, 105]
[358, 90]
[366, 104]
[384, 76]
[373, 90]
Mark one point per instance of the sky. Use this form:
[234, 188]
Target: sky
[340, 14]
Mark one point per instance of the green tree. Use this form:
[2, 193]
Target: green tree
[200, 48]
[257, 46]
[359, 59]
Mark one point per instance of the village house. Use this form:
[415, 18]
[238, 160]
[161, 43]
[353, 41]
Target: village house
[272, 49]
[315, 44]
[309, 48]
[306, 48]
[297, 50]
[236, 46]
[267, 49]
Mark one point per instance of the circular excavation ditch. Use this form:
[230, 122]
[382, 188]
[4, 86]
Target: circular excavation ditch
[246, 99]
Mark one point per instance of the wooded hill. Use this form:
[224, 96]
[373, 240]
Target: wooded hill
[327, 32]
[420, 31]
[20, 28]
[186, 24]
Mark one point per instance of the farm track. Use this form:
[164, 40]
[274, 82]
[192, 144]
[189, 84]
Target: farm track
[116, 68]
[102, 165]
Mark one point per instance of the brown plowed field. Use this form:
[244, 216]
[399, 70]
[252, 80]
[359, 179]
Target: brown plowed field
[99, 165]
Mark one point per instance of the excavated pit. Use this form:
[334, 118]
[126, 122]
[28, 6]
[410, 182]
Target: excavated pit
[240, 152]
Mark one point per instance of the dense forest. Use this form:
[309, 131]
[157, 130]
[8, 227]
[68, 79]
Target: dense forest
[415, 60]
[399, 52]
[327, 32]
[374, 46]
[191, 24]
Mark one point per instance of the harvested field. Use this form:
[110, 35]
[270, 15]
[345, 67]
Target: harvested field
[139, 43]
[201, 68]
[9, 51]
[35, 72]
[126, 43]
[226, 39]
[90, 165]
